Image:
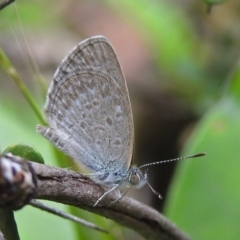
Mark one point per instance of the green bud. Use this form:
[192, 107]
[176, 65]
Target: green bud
[25, 151]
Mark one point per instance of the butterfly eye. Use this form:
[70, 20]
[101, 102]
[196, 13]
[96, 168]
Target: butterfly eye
[134, 179]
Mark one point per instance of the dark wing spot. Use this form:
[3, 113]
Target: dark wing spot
[109, 121]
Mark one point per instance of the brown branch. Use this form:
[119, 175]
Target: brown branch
[5, 3]
[73, 188]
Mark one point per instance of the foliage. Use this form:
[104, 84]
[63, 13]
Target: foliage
[203, 198]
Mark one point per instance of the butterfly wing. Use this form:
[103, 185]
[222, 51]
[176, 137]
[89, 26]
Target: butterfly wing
[88, 108]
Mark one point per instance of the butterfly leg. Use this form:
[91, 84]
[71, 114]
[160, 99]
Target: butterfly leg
[112, 189]
[120, 197]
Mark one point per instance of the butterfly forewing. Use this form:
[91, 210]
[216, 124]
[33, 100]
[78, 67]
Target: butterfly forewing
[88, 108]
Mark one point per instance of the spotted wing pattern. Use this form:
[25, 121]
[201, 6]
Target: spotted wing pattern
[89, 110]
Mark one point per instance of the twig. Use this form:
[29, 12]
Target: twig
[8, 226]
[73, 188]
[5, 3]
[11, 71]
[57, 212]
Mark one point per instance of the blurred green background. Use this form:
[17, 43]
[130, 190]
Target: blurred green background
[182, 69]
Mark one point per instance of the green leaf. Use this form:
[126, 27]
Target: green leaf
[233, 89]
[214, 1]
[204, 195]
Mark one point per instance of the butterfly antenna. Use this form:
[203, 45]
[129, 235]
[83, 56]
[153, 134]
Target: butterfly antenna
[155, 192]
[172, 160]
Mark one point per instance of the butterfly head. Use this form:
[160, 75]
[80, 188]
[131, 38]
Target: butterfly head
[136, 178]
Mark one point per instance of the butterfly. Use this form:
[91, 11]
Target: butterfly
[90, 117]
